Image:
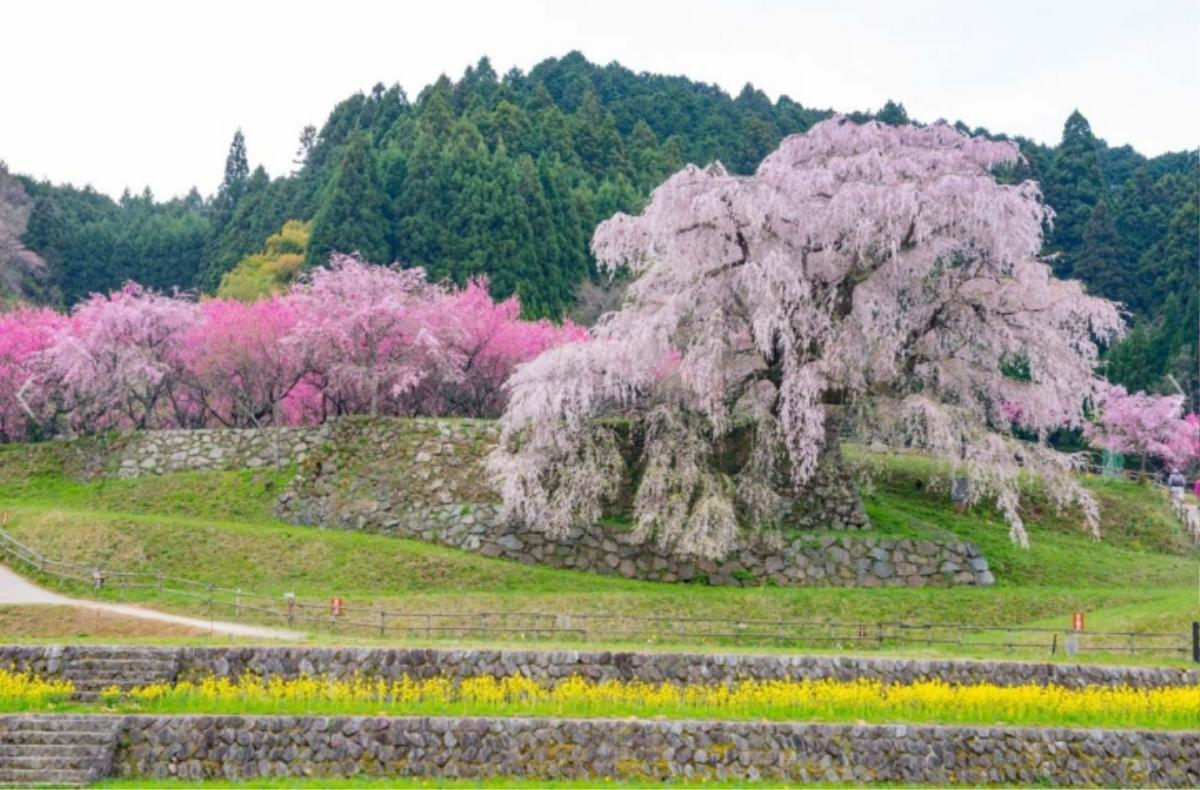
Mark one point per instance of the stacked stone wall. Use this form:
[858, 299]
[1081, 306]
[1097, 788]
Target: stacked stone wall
[197, 663]
[425, 479]
[252, 747]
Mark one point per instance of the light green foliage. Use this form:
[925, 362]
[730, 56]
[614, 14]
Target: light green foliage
[271, 270]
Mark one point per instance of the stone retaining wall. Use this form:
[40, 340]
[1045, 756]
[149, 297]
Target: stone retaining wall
[249, 747]
[793, 560]
[161, 452]
[138, 453]
[195, 663]
[424, 479]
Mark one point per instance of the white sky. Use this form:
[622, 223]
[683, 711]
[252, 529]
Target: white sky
[131, 94]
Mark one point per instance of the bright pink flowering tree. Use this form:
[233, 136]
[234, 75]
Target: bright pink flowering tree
[240, 366]
[880, 270]
[487, 340]
[350, 339]
[24, 333]
[1148, 426]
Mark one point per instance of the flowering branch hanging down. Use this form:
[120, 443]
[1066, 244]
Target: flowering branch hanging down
[884, 270]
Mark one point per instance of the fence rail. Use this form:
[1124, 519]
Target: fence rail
[374, 621]
[1188, 515]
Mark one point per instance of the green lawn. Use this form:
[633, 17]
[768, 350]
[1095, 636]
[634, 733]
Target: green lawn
[217, 527]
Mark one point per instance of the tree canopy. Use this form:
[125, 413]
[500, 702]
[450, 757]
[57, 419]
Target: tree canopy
[876, 269]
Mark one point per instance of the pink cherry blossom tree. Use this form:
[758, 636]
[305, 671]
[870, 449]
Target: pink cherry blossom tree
[24, 333]
[371, 335]
[487, 340]
[239, 365]
[1145, 425]
[117, 361]
[879, 271]
[352, 338]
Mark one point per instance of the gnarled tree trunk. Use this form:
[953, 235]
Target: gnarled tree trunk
[830, 500]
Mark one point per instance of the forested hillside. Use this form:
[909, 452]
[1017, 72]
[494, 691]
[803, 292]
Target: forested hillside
[508, 176]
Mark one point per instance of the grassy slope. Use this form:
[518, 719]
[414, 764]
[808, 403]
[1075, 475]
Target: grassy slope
[218, 527]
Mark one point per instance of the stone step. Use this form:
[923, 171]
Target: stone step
[110, 671]
[61, 751]
[58, 723]
[118, 651]
[55, 737]
[118, 665]
[102, 680]
[34, 777]
[80, 761]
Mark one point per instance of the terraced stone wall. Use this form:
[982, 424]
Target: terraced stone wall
[425, 479]
[251, 747]
[196, 663]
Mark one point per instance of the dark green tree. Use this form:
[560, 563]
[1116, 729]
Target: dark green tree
[1102, 261]
[1073, 187]
[234, 185]
[352, 216]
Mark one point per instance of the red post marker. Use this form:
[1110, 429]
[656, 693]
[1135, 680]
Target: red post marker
[1077, 621]
[335, 606]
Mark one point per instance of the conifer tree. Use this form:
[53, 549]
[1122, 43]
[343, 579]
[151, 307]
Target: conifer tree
[352, 217]
[1072, 188]
[1102, 262]
[229, 195]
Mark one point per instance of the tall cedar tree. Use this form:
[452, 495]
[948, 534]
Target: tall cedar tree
[229, 196]
[1075, 184]
[352, 217]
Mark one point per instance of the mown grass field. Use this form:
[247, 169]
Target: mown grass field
[217, 527]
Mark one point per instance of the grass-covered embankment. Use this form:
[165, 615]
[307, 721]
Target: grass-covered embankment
[217, 527]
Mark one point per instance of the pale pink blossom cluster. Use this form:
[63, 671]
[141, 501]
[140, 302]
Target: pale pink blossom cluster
[1147, 426]
[885, 270]
[352, 338]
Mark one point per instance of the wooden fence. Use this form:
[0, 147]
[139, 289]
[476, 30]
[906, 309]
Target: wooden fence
[336, 616]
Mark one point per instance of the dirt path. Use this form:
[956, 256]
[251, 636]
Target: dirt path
[17, 590]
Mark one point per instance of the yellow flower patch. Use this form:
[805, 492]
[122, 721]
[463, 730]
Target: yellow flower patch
[25, 690]
[800, 700]
[517, 695]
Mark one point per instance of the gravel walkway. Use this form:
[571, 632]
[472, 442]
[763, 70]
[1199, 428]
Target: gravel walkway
[18, 591]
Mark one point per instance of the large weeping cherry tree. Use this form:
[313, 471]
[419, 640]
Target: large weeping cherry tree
[864, 268]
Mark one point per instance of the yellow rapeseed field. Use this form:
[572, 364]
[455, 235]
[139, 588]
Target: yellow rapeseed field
[516, 695]
[825, 700]
[25, 690]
